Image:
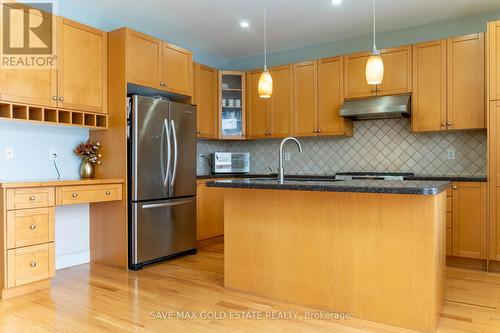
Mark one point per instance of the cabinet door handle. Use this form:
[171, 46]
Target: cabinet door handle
[455, 187]
[108, 192]
[33, 264]
[443, 124]
[74, 195]
[61, 98]
[319, 131]
[32, 198]
[33, 227]
[449, 124]
[54, 98]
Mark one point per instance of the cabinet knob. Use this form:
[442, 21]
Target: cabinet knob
[54, 98]
[443, 124]
[61, 98]
[319, 131]
[314, 131]
[33, 227]
[33, 264]
[32, 198]
[449, 124]
[455, 187]
[198, 132]
[108, 192]
[74, 195]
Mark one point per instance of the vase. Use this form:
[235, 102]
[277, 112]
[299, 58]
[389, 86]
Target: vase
[86, 169]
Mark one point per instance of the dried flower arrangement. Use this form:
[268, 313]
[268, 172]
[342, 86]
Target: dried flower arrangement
[89, 151]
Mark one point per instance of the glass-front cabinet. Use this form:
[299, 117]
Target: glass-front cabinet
[232, 105]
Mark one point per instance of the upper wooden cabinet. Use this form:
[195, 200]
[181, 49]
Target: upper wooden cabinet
[157, 64]
[469, 220]
[448, 89]
[82, 72]
[32, 86]
[397, 73]
[271, 118]
[205, 97]
[494, 60]
[429, 86]
[79, 80]
[318, 95]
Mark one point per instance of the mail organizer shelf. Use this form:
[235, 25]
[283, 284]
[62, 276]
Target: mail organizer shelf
[54, 116]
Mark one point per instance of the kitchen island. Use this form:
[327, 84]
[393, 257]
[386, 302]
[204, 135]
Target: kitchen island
[374, 249]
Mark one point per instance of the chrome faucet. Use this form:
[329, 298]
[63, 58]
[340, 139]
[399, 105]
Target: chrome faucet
[281, 176]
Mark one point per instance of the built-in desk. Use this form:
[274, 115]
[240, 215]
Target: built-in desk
[27, 227]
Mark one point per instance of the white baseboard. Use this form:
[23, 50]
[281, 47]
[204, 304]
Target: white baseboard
[72, 259]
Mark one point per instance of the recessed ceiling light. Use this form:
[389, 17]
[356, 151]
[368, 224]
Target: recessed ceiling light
[336, 2]
[244, 24]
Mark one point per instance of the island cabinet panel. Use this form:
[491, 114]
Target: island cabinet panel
[469, 220]
[305, 98]
[466, 82]
[143, 59]
[82, 72]
[177, 69]
[281, 102]
[258, 108]
[209, 211]
[331, 97]
[397, 73]
[494, 60]
[494, 178]
[34, 86]
[380, 257]
[205, 97]
[429, 86]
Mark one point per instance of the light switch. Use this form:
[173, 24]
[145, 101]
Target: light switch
[451, 153]
[9, 153]
[287, 156]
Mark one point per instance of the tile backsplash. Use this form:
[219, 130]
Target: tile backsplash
[377, 145]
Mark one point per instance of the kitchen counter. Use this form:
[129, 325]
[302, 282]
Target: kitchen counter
[56, 183]
[451, 178]
[357, 186]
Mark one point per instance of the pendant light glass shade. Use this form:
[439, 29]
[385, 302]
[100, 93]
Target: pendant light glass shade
[374, 66]
[374, 69]
[265, 84]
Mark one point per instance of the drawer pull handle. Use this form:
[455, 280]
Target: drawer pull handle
[33, 227]
[32, 198]
[33, 264]
[108, 192]
[74, 195]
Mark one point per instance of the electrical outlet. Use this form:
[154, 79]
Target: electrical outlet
[451, 152]
[287, 156]
[53, 155]
[201, 157]
[9, 153]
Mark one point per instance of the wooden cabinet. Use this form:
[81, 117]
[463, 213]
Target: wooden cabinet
[154, 63]
[397, 73]
[448, 84]
[493, 68]
[205, 95]
[469, 220]
[144, 57]
[271, 118]
[79, 81]
[209, 211]
[318, 95]
[82, 72]
[232, 105]
[494, 177]
[71, 195]
[331, 97]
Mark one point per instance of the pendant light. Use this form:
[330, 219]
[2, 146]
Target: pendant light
[374, 65]
[265, 86]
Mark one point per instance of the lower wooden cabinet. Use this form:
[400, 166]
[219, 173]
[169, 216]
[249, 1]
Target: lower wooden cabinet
[466, 220]
[209, 211]
[30, 264]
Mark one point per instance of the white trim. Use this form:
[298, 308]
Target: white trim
[72, 259]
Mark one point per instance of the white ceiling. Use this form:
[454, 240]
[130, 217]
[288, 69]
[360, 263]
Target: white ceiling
[212, 26]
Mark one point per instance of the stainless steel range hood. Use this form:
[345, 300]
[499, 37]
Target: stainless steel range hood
[379, 107]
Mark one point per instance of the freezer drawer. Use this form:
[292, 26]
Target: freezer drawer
[162, 228]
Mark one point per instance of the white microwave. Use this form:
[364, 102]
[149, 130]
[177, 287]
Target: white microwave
[230, 162]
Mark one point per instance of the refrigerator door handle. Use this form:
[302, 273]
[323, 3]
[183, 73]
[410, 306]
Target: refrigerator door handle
[167, 204]
[174, 171]
[165, 132]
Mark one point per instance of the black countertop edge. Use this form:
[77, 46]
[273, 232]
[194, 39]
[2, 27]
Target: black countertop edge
[357, 186]
[414, 177]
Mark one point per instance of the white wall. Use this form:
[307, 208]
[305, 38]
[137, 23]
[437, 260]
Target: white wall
[31, 145]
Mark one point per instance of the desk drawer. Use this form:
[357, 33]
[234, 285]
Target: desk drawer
[89, 193]
[27, 227]
[30, 264]
[22, 198]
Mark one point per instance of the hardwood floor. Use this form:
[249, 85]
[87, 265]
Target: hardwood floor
[94, 298]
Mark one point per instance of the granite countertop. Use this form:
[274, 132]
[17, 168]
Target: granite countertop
[480, 178]
[360, 186]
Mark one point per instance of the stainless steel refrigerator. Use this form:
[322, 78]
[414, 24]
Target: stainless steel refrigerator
[162, 180]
